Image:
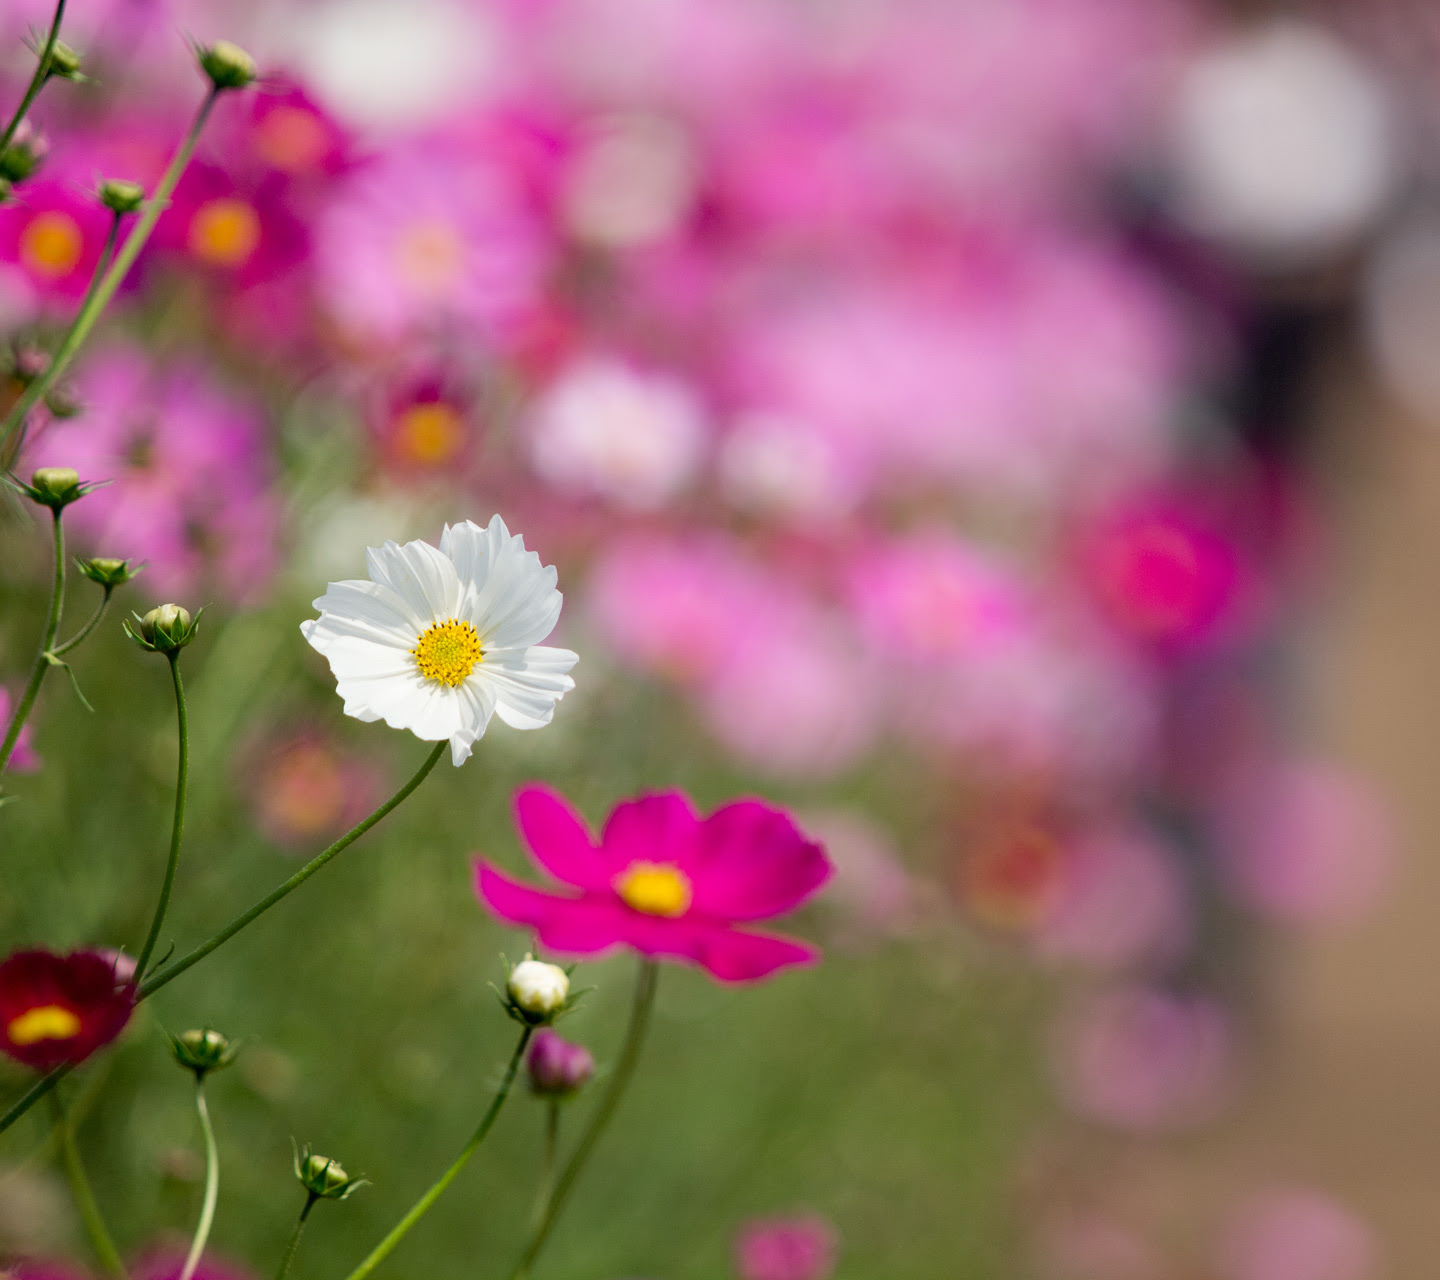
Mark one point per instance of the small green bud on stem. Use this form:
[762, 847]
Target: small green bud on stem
[202, 1050]
[55, 487]
[121, 197]
[323, 1178]
[227, 65]
[164, 629]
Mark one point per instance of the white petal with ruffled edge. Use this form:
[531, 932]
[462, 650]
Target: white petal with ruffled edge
[368, 630]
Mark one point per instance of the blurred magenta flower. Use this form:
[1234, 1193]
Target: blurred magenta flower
[1295, 1233]
[1143, 1060]
[304, 788]
[60, 1008]
[607, 430]
[803, 1247]
[24, 758]
[287, 130]
[190, 471]
[1012, 877]
[168, 1264]
[54, 236]
[241, 233]
[431, 236]
[663, 881]
[423, 425]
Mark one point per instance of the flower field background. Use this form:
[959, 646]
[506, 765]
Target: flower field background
[923, 405]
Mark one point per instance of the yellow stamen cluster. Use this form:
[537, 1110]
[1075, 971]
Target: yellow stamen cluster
[655, 888]
[45, 1022]
[448, 652]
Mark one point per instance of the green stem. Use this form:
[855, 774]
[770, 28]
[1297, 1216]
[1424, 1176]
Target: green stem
[95, 619]
[645, 983]
[168, 974]
[37, 81]
[100, 294]
[160, 978]
[177, 827]
[42, 658]
[295, 1235]
[212, 1182]
[546, 1184]
[422, 1206]
[95, 1228]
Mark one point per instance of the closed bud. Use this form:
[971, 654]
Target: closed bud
[106, 571]
[537, 991]
[164, 629]
[23, 156]
[227, 65]
[557, 1068]
[55, 487]
[119, 196]
[323, 1178]
[64, 62]
[202, 1050]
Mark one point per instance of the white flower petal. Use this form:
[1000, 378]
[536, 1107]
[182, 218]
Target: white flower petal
[528, 683]
[365, 610]
[511, 597]
[423, 578]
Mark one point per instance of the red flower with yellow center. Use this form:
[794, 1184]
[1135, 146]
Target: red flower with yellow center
[58, 1009]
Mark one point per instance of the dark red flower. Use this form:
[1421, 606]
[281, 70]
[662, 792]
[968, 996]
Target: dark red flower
[56, 1009]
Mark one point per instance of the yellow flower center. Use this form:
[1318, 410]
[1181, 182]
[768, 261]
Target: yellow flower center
[224, 232]
[51, 245]
[47, 1022]
[448, 652]
[655, 888]
[429, 434]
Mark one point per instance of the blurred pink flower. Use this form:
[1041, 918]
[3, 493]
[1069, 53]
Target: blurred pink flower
[1305, 841]
[1092, 1247]
[189, 468]
[23, 758]
[663, 881]
[167, 1264]
[780, 467]
[1143, 1060]
[872, 895]
[305, 789]
[287, 130]
[605, 429]
[54, 235]
[430, 236]
[803, 1247]
[423, 423]
[1293, 1233]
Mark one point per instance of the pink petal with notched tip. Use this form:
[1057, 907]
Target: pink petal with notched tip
[581, 926]
[558, 838]
[751, 862]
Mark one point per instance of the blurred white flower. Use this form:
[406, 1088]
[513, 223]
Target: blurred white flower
[1284, 141]
[439, 641]
[634, 438]
[631, 183]
[773, 464]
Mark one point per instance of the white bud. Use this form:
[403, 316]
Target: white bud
[537, 988]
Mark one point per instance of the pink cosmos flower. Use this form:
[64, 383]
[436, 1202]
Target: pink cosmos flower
[23, 758]
[54, 236]
[1294, 1233]
[798, 1248]
[663, 881]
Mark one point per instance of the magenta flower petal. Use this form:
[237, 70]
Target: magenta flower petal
[654, 828]
[752, 862]
[580, 926]
[731, 954]
[557, 837]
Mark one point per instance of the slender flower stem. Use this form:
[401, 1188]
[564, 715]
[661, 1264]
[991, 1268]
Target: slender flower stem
[212, 1182]
[100, 294]
[177, 827]
[42, 658]
[161, 977]
[422, 1206]
[95, 1228]
[95, 619]
[168, 974]
[289, 1255]
[547, 1162]
[37, 81]
[645, 984]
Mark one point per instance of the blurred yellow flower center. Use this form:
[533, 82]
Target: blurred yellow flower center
[430, 256]
[448, 652]
[224, 232]
[51, 245]
[655, 888]
[47, 1022]
[430, 434]
[292, 139]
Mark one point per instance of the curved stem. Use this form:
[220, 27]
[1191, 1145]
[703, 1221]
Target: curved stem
[95, 619]
[645, 983]
[422, 1206]
[37, 81]
[177, 826]
[168, 974]
[212, 1182]
[95, 1228]
[100, 293]
[42, 658]
[289, 1255]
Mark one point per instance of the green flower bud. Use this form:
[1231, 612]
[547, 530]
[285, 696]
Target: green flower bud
[202, 1050]
[55, 487]
[64, 62]
[107, 572]
[323, 1178]
[164, 629]
[119, 196]
[227, 65]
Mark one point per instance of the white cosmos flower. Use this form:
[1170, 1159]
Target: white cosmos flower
[439, 641]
